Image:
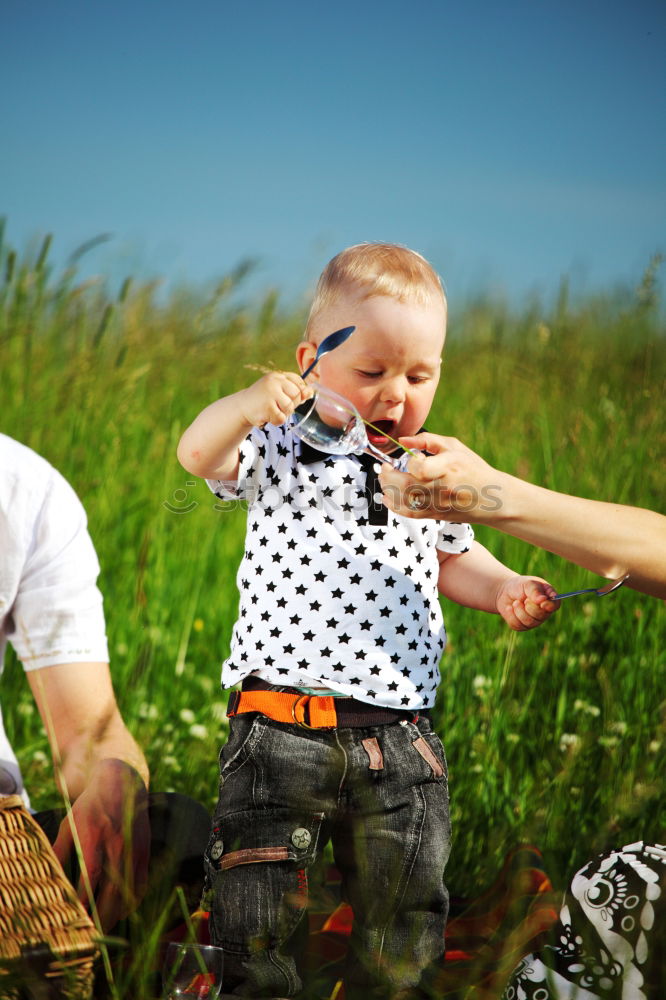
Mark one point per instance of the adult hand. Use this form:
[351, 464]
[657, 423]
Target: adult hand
[451, 482]
[112, 827]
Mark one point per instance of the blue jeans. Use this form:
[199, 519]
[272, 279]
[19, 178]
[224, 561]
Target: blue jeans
[380, 795]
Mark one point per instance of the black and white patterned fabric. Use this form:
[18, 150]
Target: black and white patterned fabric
[335, 590]
[609, 941]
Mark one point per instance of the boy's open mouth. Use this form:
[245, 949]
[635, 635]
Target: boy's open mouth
[380, 433]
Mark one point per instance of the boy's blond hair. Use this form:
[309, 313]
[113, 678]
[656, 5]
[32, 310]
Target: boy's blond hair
[377, 269]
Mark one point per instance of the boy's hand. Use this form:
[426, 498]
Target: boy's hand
[273, 398]
[525, 602]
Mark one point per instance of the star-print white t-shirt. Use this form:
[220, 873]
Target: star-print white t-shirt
[327, 598]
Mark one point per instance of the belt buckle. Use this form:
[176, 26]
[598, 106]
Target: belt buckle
[303, 699]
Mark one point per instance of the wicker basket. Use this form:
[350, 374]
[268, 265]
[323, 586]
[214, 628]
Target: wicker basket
[47, 940]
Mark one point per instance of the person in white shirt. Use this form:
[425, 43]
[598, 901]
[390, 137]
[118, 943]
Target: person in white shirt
[51, 612]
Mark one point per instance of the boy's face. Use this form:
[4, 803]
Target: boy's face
[389, 367]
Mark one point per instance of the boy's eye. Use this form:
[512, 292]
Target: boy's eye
[369, 374]
[417, 379]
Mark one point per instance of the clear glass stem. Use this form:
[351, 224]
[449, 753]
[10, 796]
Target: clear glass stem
[376, 453]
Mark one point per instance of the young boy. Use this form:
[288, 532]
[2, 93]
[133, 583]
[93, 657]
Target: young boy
[337, 646]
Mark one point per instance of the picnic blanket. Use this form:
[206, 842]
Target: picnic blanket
[519, 940]
[485, 938]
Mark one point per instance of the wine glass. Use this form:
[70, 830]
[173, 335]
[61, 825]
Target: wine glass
[192, 971]
[330, 423]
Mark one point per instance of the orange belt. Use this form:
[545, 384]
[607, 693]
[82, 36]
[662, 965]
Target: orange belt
[281, 706]
[312, 711]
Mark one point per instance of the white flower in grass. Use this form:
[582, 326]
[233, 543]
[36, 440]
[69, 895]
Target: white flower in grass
[172, 763]
[619, 727]
[480, 684]
[147, 711]
[608, 741]
[187, 716]
[587, 708]
[569, 741]
[654, 746]
[26, 708]
[39, 757]
[198, 731]
[513, 738]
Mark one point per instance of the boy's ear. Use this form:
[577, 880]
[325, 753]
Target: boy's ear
[305, 354]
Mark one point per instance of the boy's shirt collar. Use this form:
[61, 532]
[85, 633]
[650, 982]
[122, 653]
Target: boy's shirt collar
[377, 512]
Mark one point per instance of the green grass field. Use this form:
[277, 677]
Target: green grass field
[557, 736]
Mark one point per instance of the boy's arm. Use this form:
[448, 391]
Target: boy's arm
[209, 448]
[476, 579]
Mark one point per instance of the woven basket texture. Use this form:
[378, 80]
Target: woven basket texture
[44, 929]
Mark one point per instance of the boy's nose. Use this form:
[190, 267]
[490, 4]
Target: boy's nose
[394, 391]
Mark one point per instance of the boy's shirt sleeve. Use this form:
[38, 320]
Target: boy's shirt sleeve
[454, 538]
[252, 457]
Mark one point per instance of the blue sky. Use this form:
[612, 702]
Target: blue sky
[512, 143]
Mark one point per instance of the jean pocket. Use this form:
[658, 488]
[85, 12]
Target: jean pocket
[245, 732]
[256, 864]
[253, 836]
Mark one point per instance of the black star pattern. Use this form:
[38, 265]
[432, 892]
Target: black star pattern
[315, 539]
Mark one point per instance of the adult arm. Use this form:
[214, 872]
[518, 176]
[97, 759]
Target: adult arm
[457, 485]
[101, 769]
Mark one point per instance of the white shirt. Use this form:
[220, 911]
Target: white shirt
[328, 598]
[50, 608]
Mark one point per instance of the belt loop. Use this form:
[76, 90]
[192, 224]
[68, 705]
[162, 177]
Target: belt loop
[232, 703]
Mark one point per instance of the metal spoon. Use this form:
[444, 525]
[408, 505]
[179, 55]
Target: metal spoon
[329, 344]
[600, 592]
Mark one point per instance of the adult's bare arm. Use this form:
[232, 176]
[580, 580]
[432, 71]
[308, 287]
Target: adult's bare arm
[104, 773]
[456, 484]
